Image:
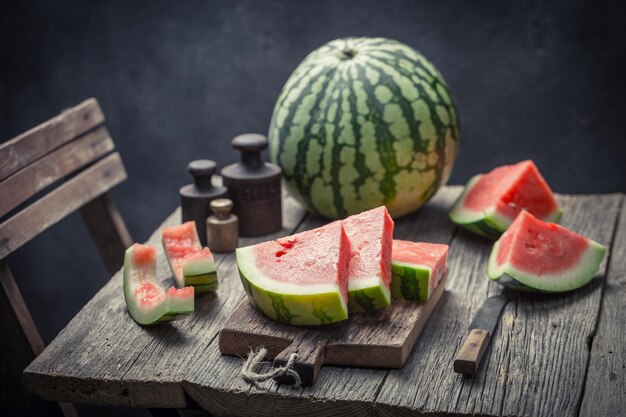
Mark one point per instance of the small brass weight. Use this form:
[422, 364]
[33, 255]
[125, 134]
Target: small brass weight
[222, 227]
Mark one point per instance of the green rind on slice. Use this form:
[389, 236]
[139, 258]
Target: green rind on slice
[576, 277]
[481, 223]
[201, 274]
[410, 282]
[169, 309]
[203, 283]
[289, 303]
[368, 294]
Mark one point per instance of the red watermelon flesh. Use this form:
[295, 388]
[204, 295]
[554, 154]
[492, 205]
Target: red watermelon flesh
[371, 240]
[539, 247]
[180, 242]
[316, 256]
[544, 256]
[513, 188]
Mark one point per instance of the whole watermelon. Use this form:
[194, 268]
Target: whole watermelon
[363, 122]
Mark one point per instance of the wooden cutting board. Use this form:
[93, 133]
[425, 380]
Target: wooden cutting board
[380, 339]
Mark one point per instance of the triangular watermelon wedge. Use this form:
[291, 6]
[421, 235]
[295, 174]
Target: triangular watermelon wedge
[490, 202]
[147, 302]
[301, 279]
[371, 239]
[533, 255]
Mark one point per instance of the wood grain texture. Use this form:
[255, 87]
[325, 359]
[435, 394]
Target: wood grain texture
[35, 177]
[104, 357]
[378, 339]
[22, 150]
[73, 194]
[339, 390]
[605, 386]
[535, 365]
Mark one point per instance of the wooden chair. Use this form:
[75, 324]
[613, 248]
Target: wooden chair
[74, 153]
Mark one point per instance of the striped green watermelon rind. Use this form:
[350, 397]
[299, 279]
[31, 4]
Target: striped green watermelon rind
[169, 309]
[198, 283]
[486, 223]
[410, 282]
[364, 122]
[571, 279]
[369, 295]
[291, 304]
[202, 274]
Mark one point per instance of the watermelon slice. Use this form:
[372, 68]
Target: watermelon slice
[146, 301]
[371, 236]
[533, 255]
[490, 202]
[301, 279]
[190, 262]
[417, 268]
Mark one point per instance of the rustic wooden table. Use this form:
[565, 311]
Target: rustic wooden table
[551, 355]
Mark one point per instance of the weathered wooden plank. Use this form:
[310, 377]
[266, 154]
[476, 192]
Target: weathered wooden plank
[103, 357]
[219, 388]
[45, 212]
[108, 230]
[35, 177]
[538, 355]
[605, 386]
[22, 150]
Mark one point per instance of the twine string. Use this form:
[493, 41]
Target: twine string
[255, 358]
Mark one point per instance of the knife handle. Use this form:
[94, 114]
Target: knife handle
[469, 356]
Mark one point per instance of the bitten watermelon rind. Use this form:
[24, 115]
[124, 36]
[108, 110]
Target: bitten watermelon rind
[488, 224]
[197, 271]
[289, 303]
[172, 308]
[201, 274]
[573, 278]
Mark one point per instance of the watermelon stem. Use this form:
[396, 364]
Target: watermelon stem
[348, 53]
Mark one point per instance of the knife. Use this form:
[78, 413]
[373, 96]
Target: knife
[480, 331]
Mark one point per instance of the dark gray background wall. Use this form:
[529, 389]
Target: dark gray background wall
[177, 80]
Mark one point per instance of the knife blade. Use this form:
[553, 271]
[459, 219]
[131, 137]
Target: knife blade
[479, 334]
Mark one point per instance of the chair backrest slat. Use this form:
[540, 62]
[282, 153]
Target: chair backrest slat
[26, 148]
[58, 164]
[66, 164]
[70, 196]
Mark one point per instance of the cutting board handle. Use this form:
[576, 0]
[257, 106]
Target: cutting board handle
[310, 350]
